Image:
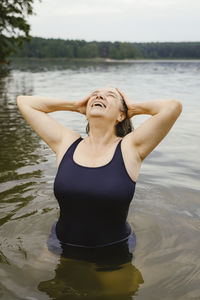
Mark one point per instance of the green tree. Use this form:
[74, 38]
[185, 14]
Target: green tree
[89, 50]
[46, 48]
[14, 29]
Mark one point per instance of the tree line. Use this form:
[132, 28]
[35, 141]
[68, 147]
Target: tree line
[15, 41]
[60, 48]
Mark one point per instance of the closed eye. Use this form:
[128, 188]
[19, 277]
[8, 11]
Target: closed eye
[94, 95]
[111, 95]
[108, 94]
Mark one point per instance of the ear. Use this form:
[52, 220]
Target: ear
[121, 117]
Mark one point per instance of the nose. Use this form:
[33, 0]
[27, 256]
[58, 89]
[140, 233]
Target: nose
[99, 96]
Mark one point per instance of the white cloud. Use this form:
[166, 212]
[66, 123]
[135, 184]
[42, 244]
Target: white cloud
[77, 7]
[130, 20]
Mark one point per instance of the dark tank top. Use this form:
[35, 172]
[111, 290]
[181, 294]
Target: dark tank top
[94, 201]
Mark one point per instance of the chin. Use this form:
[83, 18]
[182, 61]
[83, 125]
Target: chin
[96, 113]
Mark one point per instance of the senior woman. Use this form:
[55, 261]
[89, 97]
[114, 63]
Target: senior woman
[96, 175]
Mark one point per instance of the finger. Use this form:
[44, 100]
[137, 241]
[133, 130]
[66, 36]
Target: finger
[119, 92]
[87, 98]
[123, 97]
[122, 94]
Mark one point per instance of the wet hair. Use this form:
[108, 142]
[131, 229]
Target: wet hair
[121, 128]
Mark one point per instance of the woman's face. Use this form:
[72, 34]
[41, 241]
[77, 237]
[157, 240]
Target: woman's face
[104, 102]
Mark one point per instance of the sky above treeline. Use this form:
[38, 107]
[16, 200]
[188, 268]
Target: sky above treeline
[117, 20]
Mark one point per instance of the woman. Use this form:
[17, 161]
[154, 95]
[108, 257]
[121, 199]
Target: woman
[96, 176]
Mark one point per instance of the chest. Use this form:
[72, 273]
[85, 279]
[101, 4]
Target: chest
[108, 185]
[88, 158]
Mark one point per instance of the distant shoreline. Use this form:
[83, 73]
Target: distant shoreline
[101, 59]
[106, 51]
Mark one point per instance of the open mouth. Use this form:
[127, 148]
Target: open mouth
[98, 104]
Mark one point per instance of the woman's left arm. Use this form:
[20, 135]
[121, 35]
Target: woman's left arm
[151, 132]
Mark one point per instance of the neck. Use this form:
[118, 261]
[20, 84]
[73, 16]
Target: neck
[101, 133]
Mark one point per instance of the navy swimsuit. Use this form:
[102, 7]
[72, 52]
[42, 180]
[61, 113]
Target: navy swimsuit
[94, 204]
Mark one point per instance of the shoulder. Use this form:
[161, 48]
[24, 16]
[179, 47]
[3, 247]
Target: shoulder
[67, 141]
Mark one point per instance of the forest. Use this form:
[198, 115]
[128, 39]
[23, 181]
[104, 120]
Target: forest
[57, 48]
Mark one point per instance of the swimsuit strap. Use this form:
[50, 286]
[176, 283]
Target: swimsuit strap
[72, 147]
[117, 153]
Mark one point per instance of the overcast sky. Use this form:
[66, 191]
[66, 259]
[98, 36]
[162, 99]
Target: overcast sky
[117, 20]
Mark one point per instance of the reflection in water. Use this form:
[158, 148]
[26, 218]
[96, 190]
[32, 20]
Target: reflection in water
[44, 65]
[103, 271]
[19, 146]
[77, 278]
[19, 142]
[93, 272]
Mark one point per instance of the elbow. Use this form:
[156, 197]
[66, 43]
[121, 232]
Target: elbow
[19, 98]
[177, 106]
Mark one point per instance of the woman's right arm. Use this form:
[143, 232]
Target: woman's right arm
[35, 111]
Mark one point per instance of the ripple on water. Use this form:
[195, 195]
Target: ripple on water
[165, 210]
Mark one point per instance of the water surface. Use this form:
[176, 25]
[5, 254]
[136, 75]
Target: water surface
[164, 213]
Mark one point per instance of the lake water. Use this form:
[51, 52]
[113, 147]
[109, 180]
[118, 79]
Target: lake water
[165, 210]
